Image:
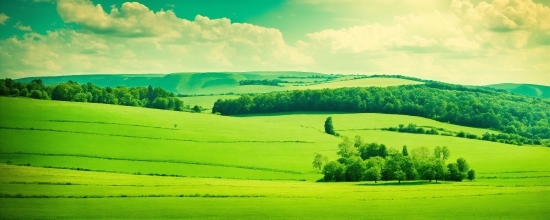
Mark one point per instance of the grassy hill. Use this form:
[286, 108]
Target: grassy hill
[222, 82]
[524, 89]
[127, 162]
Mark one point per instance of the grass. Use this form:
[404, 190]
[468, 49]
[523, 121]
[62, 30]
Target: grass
[170, 197]
[103, 161]
[205, 101]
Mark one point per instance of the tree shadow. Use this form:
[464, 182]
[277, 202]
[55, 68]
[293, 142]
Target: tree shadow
[403, 183]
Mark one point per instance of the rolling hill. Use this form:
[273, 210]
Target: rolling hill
[112, 159]
[222, 82]
[531, 90]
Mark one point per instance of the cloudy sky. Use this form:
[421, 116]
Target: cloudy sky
[459, 41]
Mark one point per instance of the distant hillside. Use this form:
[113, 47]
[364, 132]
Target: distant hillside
[524, 89]
[225, 82]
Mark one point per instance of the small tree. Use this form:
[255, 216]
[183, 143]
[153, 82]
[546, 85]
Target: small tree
[319, 161]
[463, 166]
[175, 126]
[472, 175]
[373, 173]
[334, 171]
[405, 151]
[197, 109]
[329, 128]
[399, 175]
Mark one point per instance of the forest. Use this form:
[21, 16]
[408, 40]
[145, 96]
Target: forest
[148, 97]
[474, 107]
[372, 161]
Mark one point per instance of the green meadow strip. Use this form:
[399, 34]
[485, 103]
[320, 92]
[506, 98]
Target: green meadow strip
[20, 196]
[109, 123]
[145, 137]
[157, 161]
[148, 174]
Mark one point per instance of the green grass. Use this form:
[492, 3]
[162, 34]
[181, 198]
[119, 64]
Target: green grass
[132, 196]
[240, 167]
[379, 82]
[205, 101]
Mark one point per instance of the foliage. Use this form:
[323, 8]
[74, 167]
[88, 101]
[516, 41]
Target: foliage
[72, 91]
[329, 127]
[267, 82]
[371, 161]
[475, 107]
[319, 161]
[471, 175]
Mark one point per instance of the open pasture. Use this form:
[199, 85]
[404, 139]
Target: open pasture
[101, 161]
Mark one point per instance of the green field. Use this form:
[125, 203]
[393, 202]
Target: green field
[87, 160]
[205, 101]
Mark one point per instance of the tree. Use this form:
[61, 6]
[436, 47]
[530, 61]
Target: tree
[374, 173]
[405, 152]
[355, 169]
[197, 109]
[472, 175]
[358, 141]
[346, 149]
[463, 166]
[319, 161]
[399, 175]
[329, 128]
[334, 171]
[453, 173]
[442, 152]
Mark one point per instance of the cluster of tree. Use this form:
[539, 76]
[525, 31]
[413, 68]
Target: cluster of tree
[331, 76]
[72, 91]
[373, 162]
[501, 138]
[412, 128]
[267, 82]
[506, 112]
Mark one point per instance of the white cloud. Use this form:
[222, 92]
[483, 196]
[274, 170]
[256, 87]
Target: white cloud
[3, 18]
[464, 43]
[22, 27]
[467, 43]
[164, 43]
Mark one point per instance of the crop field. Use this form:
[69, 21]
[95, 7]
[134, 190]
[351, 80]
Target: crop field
[82, 160]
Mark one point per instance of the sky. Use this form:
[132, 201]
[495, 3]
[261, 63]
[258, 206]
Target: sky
[471, 42]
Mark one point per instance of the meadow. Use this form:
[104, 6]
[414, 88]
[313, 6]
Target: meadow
[83, 160]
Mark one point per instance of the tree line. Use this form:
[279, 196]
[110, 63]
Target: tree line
[474, 107]
[267, 82]
[148, 97]
[359, 161]
[501, 138]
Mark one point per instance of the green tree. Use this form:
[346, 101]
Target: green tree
[374, 174]
[329, 128]
[319, 161]
[346, 149]
[442, 152]
[472, 175]
[405, 152]
[399, 175]
[463, 166]
[355, 169]
[197, 109]
[334, 171]
[358, 142]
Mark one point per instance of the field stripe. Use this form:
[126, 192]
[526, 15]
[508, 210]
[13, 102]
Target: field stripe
[146, 137]
[109, 123]
[158, 161]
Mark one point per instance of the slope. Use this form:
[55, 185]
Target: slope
[531, 90]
